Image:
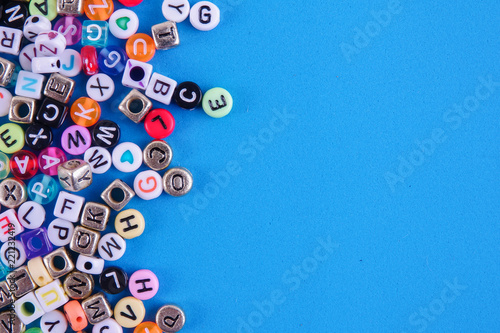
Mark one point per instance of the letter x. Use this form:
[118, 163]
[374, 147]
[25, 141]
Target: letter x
[40, 135]
[99, 86]
[10, 192]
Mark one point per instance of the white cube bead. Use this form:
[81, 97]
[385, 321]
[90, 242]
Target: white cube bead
[204, 16]
[9, 225]
[137, 74]
[131, 27]
[44, 65]
[28, 309]
[148, 185]
[127, 157]
[14, 251]
[161, 88]
[54, 322]
[5, 98]
[175, 10]
[10, 40]
[111, 247]
[100, 87]
[51, 43]
[31, 215]
[35, 25]
[99, 159]
[51, 296]
[60, 232]
[68, 206]
[107, 326]
[89, 265]
[71, 63]
[30, 84]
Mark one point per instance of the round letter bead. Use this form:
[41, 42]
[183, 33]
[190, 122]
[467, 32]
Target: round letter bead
[188, 95]
[109, 325]
[12, 193]
[75, 315]
[143, 284]
[15, 251]
[11, 138]
[26, 56]
[148, 185]
[130, 3]
[71, 63]
[127, 157]
[49, 159]
[45, 8]
[98, 10]
[60, 232]
[123, 23]
[111, 247]
[217, 102]
[53, 322]
[147, 327]
[129, 312]
[157, 155]
[23, 164]
[89, 60]
[129, 224]
[106, 134]
[50, 44]
[34, 25]
[14, 14]
[175, 10]
[100, 87]
[113, 280]
[76, 140]
[99, 159]
[140, 47]
[177, 182]
[71, 28]
[43, 189]
[85, 112]
[4, 166]
[170, 318]
[38, 136]
[31, 215]
[112, 60]
[159, 123]
[5, 98]
[204, 16]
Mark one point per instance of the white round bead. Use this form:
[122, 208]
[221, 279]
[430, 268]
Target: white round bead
[127, 157]
[99, 159]
[53, 322]
[71, 63]
[148, 185]
[204, 16]
[5, 98]
[60, 232]
[34, 25]
[13, 254]
[26, 56]
[175, 10]
[123, 23]
[89, 265]
[111, 247]
[51, 43]
[100, 87]
[109, 325]
[31, 215]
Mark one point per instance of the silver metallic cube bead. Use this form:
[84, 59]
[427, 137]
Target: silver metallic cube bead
[10, 323]
[7, 69]
[12, 193]
[20, 282]
[165, 35]
[74, 175]
[177, 181]
[135, 106]
[170, 318]
[70, 7]
[84, 241]
[95, 216]
[59, 87]
[157, 155]
[97, 308]
[6, 296]
[22, 110]
[58, 263]
[117, 195]
[78, 285]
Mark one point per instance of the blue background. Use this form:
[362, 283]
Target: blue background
[414, 230]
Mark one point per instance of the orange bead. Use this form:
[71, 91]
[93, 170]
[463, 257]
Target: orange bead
[147, 327]
[98, 10]
[140, 47]
[75, 315]
[85, 112]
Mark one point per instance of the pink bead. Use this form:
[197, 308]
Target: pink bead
[71, 28]
[75, 140]
[143, 284]
[49, 159]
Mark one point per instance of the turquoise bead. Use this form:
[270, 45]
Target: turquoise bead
[4, 166]
[4, 270]
[95, 33]
[43, 189]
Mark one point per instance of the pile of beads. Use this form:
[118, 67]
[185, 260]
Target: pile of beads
[38, 263]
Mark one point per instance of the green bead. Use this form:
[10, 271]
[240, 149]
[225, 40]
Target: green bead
[43, 189]
[217, 102]
[11, 138]
[34, 330]
[47, 8]
[4, 166]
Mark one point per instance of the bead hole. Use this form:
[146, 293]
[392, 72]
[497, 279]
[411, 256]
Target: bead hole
[117, 195]
[135, 105]
[28, 309]
[59, 263]
[79, 319]
[22, 110]
[35, 244]
[88, 265]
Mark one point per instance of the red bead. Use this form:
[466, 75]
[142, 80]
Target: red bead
[130, 3]
[159, 123]
[89, 60]
[23, 164]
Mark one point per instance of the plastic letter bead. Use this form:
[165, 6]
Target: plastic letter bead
[204, 16]
[12, 193]
[58, 263]
[75, 314]
[97, 308]
[147, 327]
[23, 164]
[59, 87]
[53, 322]
[148, 185]
[109, 325]
[51, 43]
[111, 247]
[46, 8]
[137, 74]
[130, 224]
[5, 98]
[14, 14]
[117, 195]
[127, 157]
[43, 65]
[10, 42]
[175, 10]
[95, 33]
[98, 10]
[89, 60]
[76, 140]
[161, 88]
[60, 232]
[112, 60]
[188, 95]
[217, 102]
[36, 243]
[89, 265]
[165, 35]
[159, 123]
[16, 251]
[4, 166]
[100, 87]
[38, 272]
[43, 189]
[170, 318]
[113, 280]
[99, 159]
[84, 241]
[51, 296]
[31, 215]
[26, 56]
[106, 134]
[177, 182]
[140, 47]
[34, 25]
[71, 63]
[71, 28]
[85, 112]
[78, 285]
[95, 216]
[38, 136]
[52, 113]
[143, 284]
[157, 155]
[68, 206]
[130, 3]
[22, 110]
[29, 84]
[129, 312]
[9, 225]
[123, 23]
[49, 159]
[28, 309]
[11, 138]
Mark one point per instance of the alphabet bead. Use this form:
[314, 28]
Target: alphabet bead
[59, 88]
[23, 164]
[100, 87]
[38, 136]
[177, 182]
[75, 315]
[95, 33]
[129, 312]
[11, 320]
[165, 35]
[45, 65]
[112, 60]
[51, 296]
[123, 23]
[11, 138]
[98, 10]
[188, 95]
[111, 247]
[97, 308]
[34, 25]
[148, 185]
[95, 216]
[78, 285]
[84, 241]
[45, 8]
[12, 193]
[22, 109]
[5, 98]
[204, 16]
[85, 112]
[53, 322]
[60, 232]
[71, 63]
[147, 327]
[113, 280]
[137, 74]
[4, 166]
[31, 215]
[99, 159]
[217, 102]
[159, 123]
[90, 65]
[52, 113]
[28, 309]
[175, 10]
[36, 243]
[70, 7]
[9, 225]
[6, 296]
[117, 195]
[20, 282]
[106, 134]
[58, 263]
[130, 224]
[170, 318]
[108, 325]
[10, 43]
[49, 159]
[14, 14]
[161, 88]
[135, 106]
[127, 157]
[50, 43]
[89, 265]
[157, 155]
[43, 189]
[9, 250]
[71, 28]
[143, 284]
[74, 175]
[75, 140]
[140, 47]
[38, 272]
[68, 206]
[130, 3]
[26, 56]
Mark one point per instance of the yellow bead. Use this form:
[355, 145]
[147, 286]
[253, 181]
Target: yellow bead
[11, 138]
[129, 312]
[130, 224]
[38, 272]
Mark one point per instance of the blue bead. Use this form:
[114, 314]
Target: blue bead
[95, 33]
[112, 60]
[43, 189]
[4, 270]
[36, 243]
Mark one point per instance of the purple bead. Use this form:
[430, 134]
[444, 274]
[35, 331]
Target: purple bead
[36, 243]
[71, 28]
[75, 140]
